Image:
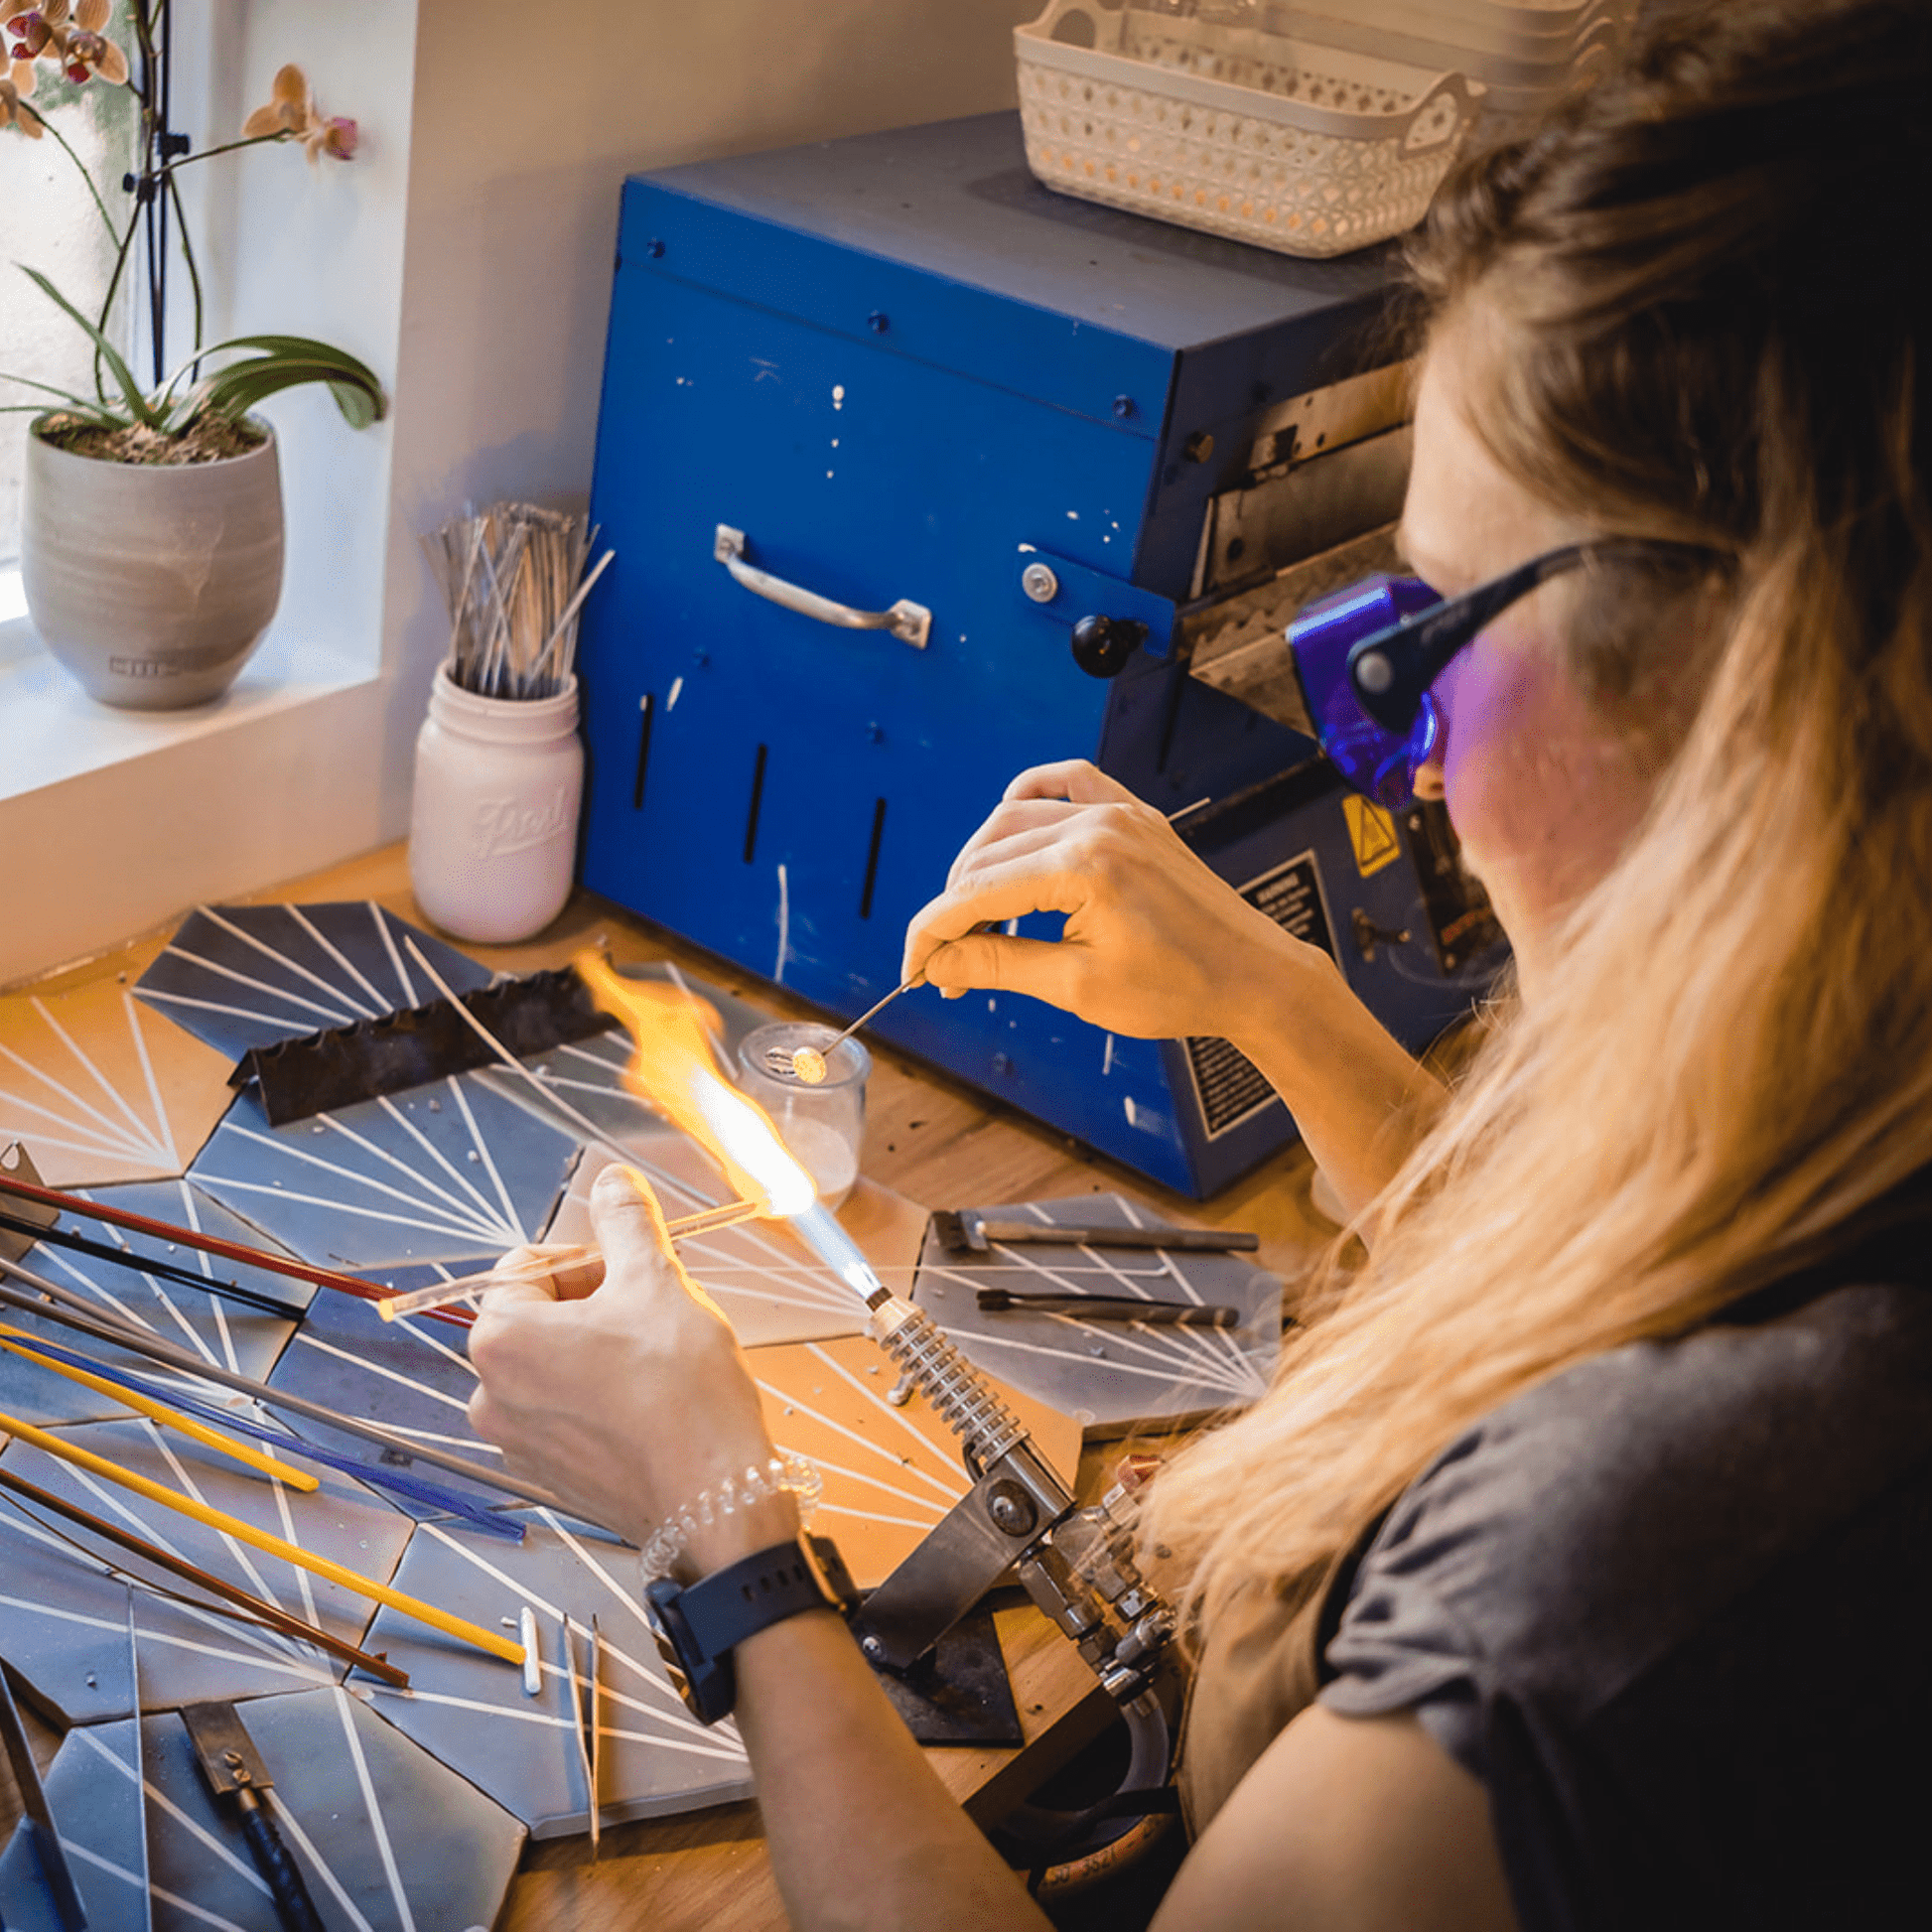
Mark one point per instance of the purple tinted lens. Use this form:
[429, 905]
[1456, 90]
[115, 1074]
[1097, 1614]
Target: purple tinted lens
[1381, 762]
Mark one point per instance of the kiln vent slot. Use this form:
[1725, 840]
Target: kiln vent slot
[871, 857]
[757, 799]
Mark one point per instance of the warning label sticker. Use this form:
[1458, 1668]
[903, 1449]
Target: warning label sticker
[1228, 1087]
[1372, 833]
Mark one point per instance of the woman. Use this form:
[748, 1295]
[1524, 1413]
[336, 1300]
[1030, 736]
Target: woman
[1565, 1575]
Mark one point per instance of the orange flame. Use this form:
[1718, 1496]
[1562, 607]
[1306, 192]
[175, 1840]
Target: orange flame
[672, 1069]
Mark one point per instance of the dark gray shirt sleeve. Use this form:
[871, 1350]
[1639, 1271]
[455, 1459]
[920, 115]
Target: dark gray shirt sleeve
[1669, 1607]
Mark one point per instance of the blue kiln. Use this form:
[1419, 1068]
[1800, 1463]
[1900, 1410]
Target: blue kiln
[1058, 457]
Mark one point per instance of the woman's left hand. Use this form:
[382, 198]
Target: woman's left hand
[631, 1396]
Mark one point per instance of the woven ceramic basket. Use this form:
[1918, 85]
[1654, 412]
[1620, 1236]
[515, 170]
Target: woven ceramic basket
[1304, 148]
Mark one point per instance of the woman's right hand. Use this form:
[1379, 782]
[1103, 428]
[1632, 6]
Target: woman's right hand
[1156, 945]
[621, 1387]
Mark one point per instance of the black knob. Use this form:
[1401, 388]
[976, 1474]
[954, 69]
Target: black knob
[1102, 646]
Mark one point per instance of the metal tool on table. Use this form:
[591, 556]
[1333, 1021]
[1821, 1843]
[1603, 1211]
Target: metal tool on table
[238, 1779]
[1111, 1308]
[594, 1696]
[339, 1065]
[965, 1231]
[15, 1165]
[143, 1874]
[37, 1817]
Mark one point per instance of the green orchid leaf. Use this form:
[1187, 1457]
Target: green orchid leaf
[358, 405]
[89, 406]
[284, 363]
[88, 414]
[307, 346]
[138, 405]
[235, 391]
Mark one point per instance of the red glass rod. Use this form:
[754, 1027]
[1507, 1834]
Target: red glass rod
[235, 1251]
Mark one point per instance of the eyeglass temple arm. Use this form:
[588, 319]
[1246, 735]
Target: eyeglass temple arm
[1391, 690]
[1390, 682]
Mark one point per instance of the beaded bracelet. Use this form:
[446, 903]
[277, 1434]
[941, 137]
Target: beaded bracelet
[779, 1476]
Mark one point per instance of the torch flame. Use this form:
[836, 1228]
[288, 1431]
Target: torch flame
[672, 1069]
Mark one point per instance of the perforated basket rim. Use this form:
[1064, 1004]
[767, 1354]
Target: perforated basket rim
[1535, 16]
[1032, 44]
[1430, 22]
[1322, 24]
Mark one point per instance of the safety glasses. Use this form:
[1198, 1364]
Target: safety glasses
[1366, 656]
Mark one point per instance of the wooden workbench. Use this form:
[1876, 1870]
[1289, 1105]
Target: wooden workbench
[941, 1144]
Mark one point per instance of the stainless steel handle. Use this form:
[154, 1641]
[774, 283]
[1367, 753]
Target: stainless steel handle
[911, 623]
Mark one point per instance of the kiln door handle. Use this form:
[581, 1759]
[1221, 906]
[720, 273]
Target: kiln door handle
[911, 623]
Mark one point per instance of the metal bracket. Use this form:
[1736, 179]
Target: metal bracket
[959, 1560]
[1075, 591]
[339, 1065]
[38, 1820]
[909, 623]
[18, 1163]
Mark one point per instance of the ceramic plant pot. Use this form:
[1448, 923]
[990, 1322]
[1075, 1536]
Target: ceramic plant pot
[151, 582]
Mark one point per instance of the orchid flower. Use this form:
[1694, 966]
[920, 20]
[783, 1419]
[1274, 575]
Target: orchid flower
[69, 33]
[291, 114]
[20, 73]
[12, 114]
[225, 380]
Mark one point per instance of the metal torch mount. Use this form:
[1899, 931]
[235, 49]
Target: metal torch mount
[1077, 1564]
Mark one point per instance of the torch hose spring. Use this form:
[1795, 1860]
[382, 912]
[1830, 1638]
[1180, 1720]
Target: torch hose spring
[954, 1387]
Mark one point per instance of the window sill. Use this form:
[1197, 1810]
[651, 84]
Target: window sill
[52, 733]
[114, 821]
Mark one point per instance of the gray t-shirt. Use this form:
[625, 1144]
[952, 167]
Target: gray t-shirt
[1674, 1608]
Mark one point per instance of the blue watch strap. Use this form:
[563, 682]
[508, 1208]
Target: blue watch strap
[698, 1626]
[753, 1593]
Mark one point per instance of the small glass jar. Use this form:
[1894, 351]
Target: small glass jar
[493, 829]
[824, 1126]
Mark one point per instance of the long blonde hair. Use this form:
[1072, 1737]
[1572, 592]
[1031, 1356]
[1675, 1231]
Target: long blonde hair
[1711, 336]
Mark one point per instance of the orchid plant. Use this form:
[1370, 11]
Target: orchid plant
[197, 409]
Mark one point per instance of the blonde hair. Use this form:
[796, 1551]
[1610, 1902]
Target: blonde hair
[1732, 1061]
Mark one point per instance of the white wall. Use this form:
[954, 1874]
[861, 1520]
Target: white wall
[522, 140]
[468, 252]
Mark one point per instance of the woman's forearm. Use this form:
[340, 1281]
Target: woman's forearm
[1156, 945]
[1361, 1100]
[863, 1837]
[634, 1399]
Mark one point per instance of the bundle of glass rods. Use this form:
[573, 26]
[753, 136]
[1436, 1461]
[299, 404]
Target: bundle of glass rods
[513, 577]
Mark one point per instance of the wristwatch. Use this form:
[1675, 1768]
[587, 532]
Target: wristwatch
[698, 1625]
